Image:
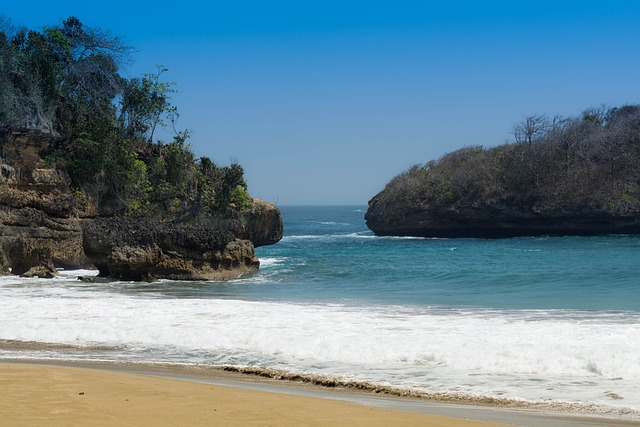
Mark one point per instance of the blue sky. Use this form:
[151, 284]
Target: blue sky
[324, 102]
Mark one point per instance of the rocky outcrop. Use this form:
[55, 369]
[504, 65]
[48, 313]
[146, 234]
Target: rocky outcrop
[21, 148]
[45, 225]
[39, 216]
[386, 219]
[262, 224]
[29, 238]
[201, 248]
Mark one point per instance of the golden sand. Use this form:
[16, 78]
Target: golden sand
[35, 395]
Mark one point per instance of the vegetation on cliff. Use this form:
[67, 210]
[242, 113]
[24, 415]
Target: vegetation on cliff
[564, 166]
[65, 80]
[592, 160]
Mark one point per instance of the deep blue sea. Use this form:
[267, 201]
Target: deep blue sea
[541, 319]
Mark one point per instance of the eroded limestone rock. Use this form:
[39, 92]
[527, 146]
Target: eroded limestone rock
[197, 249]
[44, 225]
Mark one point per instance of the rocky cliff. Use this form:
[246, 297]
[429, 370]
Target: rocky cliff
[572, 176]
[40, 219]
[493, 221]
[198, 248]
[44, 225]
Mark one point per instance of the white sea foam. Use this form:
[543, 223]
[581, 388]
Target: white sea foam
[304, 237]
[590, 357]
[353, 235]
[77, 273]
[268, 262]
[330, 223]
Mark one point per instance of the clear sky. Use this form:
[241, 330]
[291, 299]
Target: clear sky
[323, 102]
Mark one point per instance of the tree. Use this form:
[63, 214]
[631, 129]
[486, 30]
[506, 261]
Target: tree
[531, 128]
[7, 109]
[61, 78]
[145, 105]
[66, 79]
[88, 79]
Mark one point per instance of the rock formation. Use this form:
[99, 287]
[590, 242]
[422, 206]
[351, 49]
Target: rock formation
[45, 225]
[577, 176]
[200, 248]
[40, 219]
[80, 169]
[493, 221]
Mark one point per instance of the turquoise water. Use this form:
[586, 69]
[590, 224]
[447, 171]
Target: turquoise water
[545, 319]
[328, 254]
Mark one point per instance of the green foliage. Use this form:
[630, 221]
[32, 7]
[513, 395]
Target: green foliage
[449, 196]
[231, 178]
[240, 197]
[54, 79]
[624, 204]
[138, 180]
[55, 159]
[136, 208]
[179, 162]
[145, 105]
[65, 80]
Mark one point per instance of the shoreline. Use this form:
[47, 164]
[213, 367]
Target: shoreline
[306, 380]
[402, 407]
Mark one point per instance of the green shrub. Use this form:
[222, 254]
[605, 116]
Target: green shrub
[240, 198]
[66, 79]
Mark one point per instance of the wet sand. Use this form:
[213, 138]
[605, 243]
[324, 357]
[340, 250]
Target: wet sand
[67, 394]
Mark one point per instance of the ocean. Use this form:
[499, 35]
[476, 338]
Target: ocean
[523, 321]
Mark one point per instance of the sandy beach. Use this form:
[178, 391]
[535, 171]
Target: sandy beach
[68, 396]
[116, 395]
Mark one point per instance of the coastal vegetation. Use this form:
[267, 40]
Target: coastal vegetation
[566, 163]
[567, 168]
[88, 181]
[66, 81]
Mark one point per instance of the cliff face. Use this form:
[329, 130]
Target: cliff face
[44, 225]
[199, 248]
[40, 219]
[493, 221]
